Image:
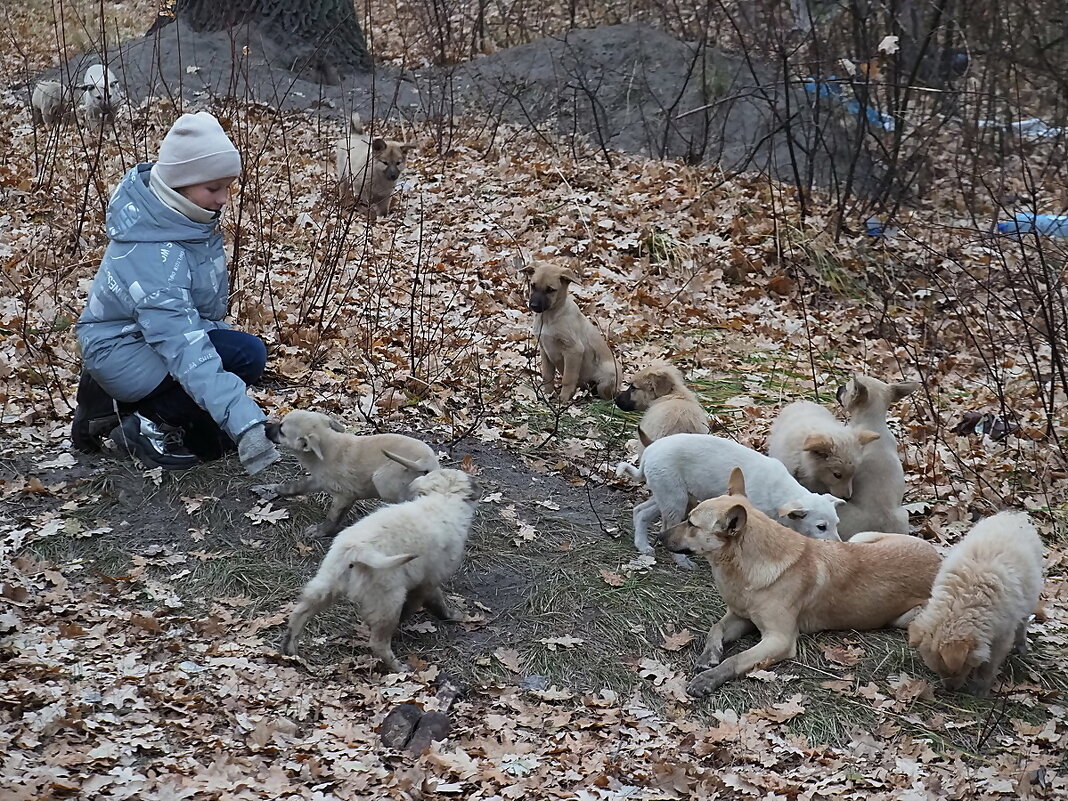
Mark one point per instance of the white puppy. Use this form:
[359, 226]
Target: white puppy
[818, 451]
[349, 467]
[982, 598]
[50, 103]
[101, 94]
[879, 482]
[394, 561]
[698, 466]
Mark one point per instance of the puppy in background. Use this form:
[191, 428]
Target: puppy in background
[570, 344]
[669, 405]
[982, 598]
[368, 169]
[780, 583]
[51, 103]
[879, 481]
[349, 467]
[818, 451]
[393, 562]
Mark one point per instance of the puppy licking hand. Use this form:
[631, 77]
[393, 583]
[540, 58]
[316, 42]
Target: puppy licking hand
[349, 467]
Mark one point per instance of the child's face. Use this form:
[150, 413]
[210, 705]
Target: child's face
[210, 195]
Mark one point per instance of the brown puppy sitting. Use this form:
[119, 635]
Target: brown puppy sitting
[669, 405]
[349, 467]
[368, 169]
[570, 344]
[782, 583]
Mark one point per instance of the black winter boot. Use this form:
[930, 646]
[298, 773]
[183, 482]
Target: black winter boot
[94, 416]
[155, 444]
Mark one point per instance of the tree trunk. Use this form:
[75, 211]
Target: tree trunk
[323, 35]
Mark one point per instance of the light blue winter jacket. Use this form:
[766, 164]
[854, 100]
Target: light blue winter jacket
[161, 286]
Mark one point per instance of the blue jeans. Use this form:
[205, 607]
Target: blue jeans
[242, 354]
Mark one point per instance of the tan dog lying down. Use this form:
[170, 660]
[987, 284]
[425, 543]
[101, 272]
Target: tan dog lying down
[669, 405]
[782, 583]
[981, 601]
[394, 561]
[569, 343]
[349, 467]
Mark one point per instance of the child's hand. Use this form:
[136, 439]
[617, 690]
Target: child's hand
[256, 451]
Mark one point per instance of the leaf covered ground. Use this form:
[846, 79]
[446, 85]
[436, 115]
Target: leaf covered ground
[141, 612]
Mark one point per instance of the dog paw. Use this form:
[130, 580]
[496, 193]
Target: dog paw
[708, 661]
[319, 531]
[645, 549]
[683, 561]
[706, 682]
[267, 492]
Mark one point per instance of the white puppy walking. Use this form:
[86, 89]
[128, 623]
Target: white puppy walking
[698, 466]
[394, 561]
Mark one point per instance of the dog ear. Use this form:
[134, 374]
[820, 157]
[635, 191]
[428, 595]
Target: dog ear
[691, 503]
[311, 443]
[568, 277]
[736, 482]
[378, 561]
[408, 147]
[643, 438]
[735, 520]
[794, 511]
[818, 445]
[663, 384]
[955, 654]
[378, 144]
[902, 389]
[521, 266]
[853, 393]
[864, 437]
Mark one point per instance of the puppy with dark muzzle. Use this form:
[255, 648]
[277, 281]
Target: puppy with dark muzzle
[349, 467]
[669, 405]
[570, 344]
[368, 168]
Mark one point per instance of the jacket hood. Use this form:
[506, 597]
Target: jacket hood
[135, 214]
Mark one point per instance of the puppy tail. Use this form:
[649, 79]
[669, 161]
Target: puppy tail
[421, 466]
[379, 561]
[627, 469]
[355, 124]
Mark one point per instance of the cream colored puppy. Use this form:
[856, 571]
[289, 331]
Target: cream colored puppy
[819, 452]
[570, 344]
[982, 598]
[393, 562]
[781, 583]
[670, 407]
[349, 467]
[368, 168]
[879, 481]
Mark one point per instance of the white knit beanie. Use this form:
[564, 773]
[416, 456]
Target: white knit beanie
[195, 150]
